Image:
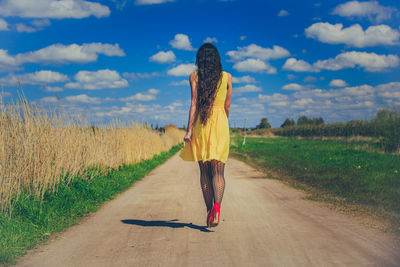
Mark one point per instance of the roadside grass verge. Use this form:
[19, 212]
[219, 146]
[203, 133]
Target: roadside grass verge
[33, 220]
[339, 173]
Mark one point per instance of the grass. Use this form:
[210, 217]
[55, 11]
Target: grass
[341, 170]
[38, 148]
[34, 220]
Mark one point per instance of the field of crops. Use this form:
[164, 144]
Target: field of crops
[38, 149]
[345, 170]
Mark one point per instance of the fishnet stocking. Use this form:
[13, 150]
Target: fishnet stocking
[212, 181]
[217, 171]
[206, 184]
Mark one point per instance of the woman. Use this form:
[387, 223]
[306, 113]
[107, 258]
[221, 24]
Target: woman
[207, 137]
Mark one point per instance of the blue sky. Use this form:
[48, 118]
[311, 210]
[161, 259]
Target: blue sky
[130, 59]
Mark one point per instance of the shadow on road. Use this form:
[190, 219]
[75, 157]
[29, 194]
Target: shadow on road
[171, 223]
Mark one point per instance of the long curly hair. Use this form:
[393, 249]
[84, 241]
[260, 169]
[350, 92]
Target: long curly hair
[209, 73]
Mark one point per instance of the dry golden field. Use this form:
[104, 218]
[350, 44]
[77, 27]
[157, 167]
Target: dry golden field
[38, 149]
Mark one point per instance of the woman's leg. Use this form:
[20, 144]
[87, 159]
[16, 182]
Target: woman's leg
[218, 180]
[206, 184]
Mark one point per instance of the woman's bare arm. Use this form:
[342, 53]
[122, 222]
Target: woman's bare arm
[193, 107]
[228, 95]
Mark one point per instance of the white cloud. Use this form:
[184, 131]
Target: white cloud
[310, 79]
[254, 65]
[370, 9]
[243, 79]
[145, 96]
[243, 37]
[7, 62]
[38, 77]
[59, 53]
[83, 98]
[151, 2]
[56, 9]
[370, 61]
[41, 23]
[95, 80]
[283, 13]
[54, 89]
[180, 83]
[255, 51]
[182, 70]
[293, 86]
[353, 35]
[135, 76]
[248, 88]
[181, 41]
[303, 102]
[338, 83]
[24, 28]
[297, 65]
[210, 40]
[3, 25]
[276, 97]
[163, 57]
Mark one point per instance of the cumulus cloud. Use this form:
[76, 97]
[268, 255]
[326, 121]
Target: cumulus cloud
[163, 57]
[133, 76]
[297, 65]
[95, 80]
[254, 65]
[83, 98]
[371, 62]
[243, 37]
[145, 96]
[370, 9]
[182, 70]
[283, 13]
[353, 35]
[38, 77]
[151, 2]
[3, 25]
[181, 41]
[54, 89]
[55, 9]
[248, 88]
[59, 54]
[210, 40]
[258, 52]
[7, 62]
[338, 83]
[293, 86]
[25, 28]
[73, 53]
[243, 79]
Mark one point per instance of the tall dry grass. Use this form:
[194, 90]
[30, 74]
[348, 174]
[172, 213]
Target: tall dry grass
[38, 149]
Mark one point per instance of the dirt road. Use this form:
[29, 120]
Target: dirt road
[160, 222]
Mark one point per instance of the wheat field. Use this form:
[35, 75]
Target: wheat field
[38, 149]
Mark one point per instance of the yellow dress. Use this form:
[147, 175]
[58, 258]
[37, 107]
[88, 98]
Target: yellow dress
[210, 141]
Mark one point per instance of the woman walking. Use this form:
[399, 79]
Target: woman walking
[207, 137]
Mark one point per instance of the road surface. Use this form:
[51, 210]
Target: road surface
[160, 221]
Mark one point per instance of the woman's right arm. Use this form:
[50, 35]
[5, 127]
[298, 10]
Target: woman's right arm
[193, 107]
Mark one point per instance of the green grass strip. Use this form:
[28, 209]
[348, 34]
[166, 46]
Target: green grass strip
[356, 176]
[33, 220]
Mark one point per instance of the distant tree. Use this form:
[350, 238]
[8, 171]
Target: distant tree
[288, 122]
[264, 124]
[303, 120]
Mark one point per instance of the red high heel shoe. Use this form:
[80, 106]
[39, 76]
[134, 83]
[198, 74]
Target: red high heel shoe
[215, 211]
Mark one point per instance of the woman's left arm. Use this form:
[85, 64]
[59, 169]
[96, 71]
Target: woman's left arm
[228, 95]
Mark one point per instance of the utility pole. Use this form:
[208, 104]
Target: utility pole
[244, 138]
